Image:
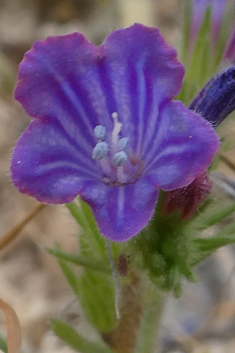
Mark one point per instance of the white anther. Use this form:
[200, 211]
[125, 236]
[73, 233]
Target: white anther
[99, 132]
[119, 158]
[123, 143]
[100, 150]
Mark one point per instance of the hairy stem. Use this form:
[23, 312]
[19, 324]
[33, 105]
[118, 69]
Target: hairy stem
[123, 338]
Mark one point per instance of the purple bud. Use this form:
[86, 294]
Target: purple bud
[216, 100]
[188, 198]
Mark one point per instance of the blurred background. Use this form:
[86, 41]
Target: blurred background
[203, 320]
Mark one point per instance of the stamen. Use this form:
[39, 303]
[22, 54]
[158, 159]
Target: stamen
[119, 158]
[100, 150]
[100, 132]
[123, 143]
[116, 130]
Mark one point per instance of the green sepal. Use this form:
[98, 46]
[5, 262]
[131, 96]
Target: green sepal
[97, 298]
[207, 246]
[213, 216]
[225, 237]
[77, 341]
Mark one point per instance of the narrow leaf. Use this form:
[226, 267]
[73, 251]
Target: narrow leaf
[77, 341]
[75, 211]
[97, 298]
[215, 216]
[225, 237]
[95, 238]
[95, 265]
[71, 277]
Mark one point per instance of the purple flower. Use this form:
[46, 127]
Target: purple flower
[105, 126]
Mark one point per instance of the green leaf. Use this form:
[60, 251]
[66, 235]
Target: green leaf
[94, 238]
[97, 297]
[77, 341]
[214, 216]
[206, 247]
[95, 265]
[90, 239]
[3, 345]
[71, 277]
[213, 244]
[197, 63]
[75, 211]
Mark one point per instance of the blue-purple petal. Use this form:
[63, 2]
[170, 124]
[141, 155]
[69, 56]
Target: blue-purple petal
[140, 71]
[70, 86]
[184, 146]
[122, 212]
[46, 164]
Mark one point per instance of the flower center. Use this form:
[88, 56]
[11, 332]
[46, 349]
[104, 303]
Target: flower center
[119, 166]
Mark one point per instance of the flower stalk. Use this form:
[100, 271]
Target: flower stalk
[140, 322]
[123, 338]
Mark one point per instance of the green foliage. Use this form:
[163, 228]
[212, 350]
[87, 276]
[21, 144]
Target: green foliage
[90, 239]
[77, 341]
[3, 345]
[213, 216]
[89, 263]
[70, 275]
[198, 62]
[92, 284]
[97, 297]
[169, 248]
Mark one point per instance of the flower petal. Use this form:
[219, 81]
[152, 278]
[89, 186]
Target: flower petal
[122, 212]
[58, 80]
[184, 147]
[48, 165]
[81, 85]
[142, 71]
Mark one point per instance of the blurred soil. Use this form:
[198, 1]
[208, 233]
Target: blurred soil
[30, 279]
